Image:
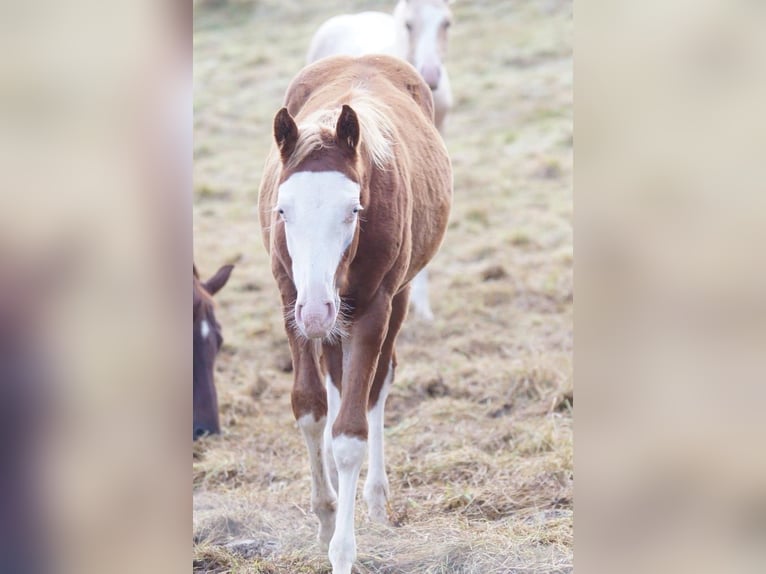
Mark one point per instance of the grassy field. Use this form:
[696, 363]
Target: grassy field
[479, 423]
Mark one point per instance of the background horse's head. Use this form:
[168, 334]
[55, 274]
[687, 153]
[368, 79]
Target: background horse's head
[318, 207]
[207, 341]
[425, 24]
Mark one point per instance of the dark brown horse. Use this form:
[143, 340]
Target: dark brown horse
[207, 341]
[354, 202]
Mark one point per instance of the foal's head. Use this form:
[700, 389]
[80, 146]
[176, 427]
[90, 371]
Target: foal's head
[207, 342]
[426, 23]
[319, 204]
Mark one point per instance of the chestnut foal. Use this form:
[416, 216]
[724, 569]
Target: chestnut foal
[354, 202]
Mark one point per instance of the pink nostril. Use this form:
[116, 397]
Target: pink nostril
[315, 314]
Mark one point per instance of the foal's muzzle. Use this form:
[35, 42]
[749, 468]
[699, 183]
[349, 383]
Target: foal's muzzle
[316, 318]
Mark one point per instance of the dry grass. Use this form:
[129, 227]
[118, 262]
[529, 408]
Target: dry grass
[479, 425]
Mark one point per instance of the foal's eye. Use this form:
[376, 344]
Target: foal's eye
[409, 26]
[281, 212]
[357, 209]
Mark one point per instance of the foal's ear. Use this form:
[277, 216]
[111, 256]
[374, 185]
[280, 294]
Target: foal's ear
[217, 281]
[285, 133]
[347, 128]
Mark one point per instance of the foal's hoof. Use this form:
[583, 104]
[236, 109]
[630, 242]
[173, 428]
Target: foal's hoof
[326, 515]
[324, 542]
[325, 536]
[376, 498]
[379, 513]
[326, 531]
[342, 554]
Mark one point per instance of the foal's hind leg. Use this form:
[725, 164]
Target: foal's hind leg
[332, 356]
[376, 485]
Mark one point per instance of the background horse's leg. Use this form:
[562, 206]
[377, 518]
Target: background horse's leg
[442, 101]
[361, 352]
[376, 485]
[420, 301]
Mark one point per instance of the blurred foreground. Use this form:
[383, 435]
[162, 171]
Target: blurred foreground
[671, 285]
[95, 249]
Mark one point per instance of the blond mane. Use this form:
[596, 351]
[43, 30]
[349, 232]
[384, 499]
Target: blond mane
[376, 130]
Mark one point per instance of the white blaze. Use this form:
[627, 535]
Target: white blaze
[319, 211]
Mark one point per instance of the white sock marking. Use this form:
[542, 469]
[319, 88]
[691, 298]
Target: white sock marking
[349, 454]
[204, 329]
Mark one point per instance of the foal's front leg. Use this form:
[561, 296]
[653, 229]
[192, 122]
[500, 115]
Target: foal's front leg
[349, 442]
[310, 409]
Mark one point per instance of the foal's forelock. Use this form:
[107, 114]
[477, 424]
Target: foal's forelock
[317, 131]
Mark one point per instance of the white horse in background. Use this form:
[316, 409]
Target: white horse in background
[416, 32]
